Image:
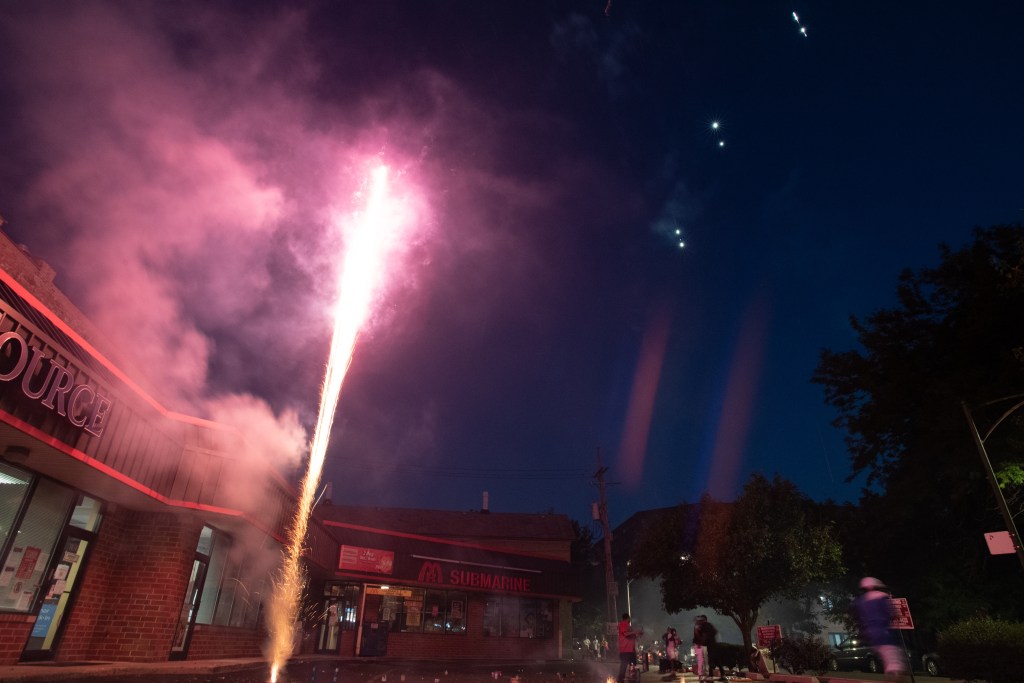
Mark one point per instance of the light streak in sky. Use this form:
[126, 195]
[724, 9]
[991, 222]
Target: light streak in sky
[803, 29]
[716, 131]
[374, 233]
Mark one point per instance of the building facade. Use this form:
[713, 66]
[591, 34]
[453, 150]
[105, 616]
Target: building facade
[123, 537]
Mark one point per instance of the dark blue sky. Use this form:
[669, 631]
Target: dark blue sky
[176, 164]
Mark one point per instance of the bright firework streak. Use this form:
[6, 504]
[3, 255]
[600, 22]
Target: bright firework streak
[361, 276]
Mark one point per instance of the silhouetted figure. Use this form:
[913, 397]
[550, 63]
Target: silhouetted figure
[872, 612]
[704, 634]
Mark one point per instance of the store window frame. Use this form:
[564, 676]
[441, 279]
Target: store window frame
[509, 616]
[19, 516]
[18, 521]
[410, 610]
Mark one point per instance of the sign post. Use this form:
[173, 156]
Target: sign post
[899, 614]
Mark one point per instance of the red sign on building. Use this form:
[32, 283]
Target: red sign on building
[366, 559]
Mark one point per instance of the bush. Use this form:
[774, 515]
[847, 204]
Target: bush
[983, 650]
[727, 655]
[799, 654]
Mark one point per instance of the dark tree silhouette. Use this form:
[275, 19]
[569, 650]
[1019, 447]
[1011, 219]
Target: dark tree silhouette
[956, 334]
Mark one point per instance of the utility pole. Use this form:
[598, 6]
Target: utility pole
[611, 588]
[979, 442]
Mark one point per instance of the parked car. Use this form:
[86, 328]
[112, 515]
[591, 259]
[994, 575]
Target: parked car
[930, 663]
[854, 654]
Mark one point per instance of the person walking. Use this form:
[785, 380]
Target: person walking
[704, 634]
[627, 646]
[872, 612]
[672, 642]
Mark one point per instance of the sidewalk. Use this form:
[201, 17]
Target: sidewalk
[321, 669]
[332, 669]
[97, 671]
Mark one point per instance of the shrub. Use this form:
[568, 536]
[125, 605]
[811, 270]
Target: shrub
[983, 649]
[801, 653]
[727, 655]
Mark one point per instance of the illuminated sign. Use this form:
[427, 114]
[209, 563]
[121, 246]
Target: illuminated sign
[430, 572]
[366, 559]
[58, 391]
[395, 592]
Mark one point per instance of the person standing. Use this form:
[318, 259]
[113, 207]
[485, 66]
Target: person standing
[872, 612]
[627, 646]
[672, 643]
[704, 634]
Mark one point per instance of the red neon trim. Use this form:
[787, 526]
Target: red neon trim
[107, 470]
[400, 583]
[418, 537]
[66, 329]
[138, 486]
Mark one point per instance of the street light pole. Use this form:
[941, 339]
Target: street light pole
[629, 605]
[979, 441]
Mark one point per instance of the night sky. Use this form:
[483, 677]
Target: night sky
[183, 166]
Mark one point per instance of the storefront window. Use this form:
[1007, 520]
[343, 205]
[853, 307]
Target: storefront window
[433, 612]
[527, 618]
[456, 621]
[86, 514]
[518, 618]
[13, 488]
[415, 610]
[233, 589]
[31, 545]
[217, 555]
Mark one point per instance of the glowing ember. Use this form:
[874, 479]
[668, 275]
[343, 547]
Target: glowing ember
[361, 276]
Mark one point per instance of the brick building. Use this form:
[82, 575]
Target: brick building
[123, 537]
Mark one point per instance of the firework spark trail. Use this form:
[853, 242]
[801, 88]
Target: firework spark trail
[361, 275]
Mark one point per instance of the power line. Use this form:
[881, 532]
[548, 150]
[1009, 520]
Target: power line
[489, 473]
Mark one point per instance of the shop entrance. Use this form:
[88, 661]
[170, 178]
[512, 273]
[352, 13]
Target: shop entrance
[373, 631]
[340, 611]
[67, 565]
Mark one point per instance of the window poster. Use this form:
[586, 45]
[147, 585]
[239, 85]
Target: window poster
[413, 613]
[27, 566]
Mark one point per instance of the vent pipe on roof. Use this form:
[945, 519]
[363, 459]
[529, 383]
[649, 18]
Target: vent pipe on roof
[485, 506]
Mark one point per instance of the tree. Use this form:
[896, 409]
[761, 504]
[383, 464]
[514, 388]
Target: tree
[956, 334]
[733, 557]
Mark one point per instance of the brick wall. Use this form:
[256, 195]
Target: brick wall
[222, 642]
[128, 604]
[14, 630]
[472, 645]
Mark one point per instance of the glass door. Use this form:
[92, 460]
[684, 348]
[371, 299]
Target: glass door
[330, 629]
[187, 617]
[58, 591]
[43, 639]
